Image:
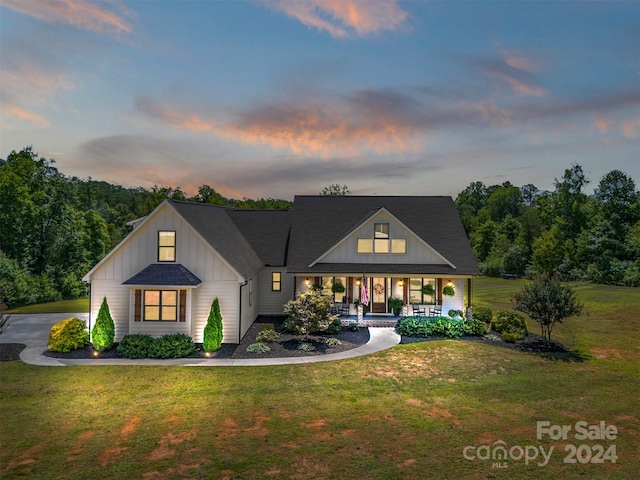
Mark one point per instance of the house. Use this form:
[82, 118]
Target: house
[163, 277]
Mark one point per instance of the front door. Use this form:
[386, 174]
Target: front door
[379, 295]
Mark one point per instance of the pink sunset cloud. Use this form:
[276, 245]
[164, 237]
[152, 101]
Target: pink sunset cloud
[22, 114]
[340, 18]
[83, 14]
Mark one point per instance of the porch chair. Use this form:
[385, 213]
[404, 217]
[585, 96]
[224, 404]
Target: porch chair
[419, 312]
[435, 311]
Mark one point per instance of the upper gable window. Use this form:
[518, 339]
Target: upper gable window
[381, 230]
[381, 242]
[166, 246]
[365, 245]
[399, 245]
[381, 238]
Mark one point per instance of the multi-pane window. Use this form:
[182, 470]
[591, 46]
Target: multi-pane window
[276, 281]
[416, 294]
[166, 246]
[381, 242]
[381, 238]
[365, 245]
[160, 305]
[398, 245]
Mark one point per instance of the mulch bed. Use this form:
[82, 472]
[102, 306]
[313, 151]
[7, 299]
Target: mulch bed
[286, 347]
[11, 351]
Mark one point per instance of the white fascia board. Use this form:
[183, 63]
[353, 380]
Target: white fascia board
[370, 218]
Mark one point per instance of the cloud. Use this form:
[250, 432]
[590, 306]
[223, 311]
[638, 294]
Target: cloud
[22, 114]
[516, 70]
[342, 18]
[152, 160]
[631, 128]
[84, 14]
[314, 127]
[376, 121]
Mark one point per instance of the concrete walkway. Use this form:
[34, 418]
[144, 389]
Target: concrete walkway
[33, 330]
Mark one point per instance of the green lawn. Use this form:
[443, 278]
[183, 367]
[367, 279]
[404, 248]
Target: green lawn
[408, 412]
[80, 305]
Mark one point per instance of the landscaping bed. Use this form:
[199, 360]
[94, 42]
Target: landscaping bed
[287, 346]
[11, 351]
[532, 343]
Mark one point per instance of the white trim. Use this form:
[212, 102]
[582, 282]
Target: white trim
[389, 255]
[138, 228]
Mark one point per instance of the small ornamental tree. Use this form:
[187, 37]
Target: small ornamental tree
[309, 312]
[547, 302]
[104, 331]
[213, 329]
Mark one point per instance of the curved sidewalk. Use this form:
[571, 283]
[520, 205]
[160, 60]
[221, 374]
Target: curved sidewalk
[380, 338]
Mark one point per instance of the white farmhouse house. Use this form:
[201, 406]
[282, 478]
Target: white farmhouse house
[163, 277]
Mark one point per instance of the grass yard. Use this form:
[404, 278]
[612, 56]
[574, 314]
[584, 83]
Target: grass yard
[406, 413]
[80, 305]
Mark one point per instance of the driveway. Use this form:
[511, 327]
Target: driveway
[33, 330]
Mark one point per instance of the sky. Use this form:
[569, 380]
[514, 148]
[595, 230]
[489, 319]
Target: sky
[269, 99]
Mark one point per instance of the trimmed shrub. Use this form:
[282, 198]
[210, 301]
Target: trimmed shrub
[267, 335]
[439, 326]
[455, 313]
[175, 345]
[212, 340]
[484, 314]
[474, 327]
[68, 335]
[334, 327]
[511, 323]
[258, 347]
[137, 345]
[104, 331]
[333, 342]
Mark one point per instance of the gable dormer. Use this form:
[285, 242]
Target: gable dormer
[382, 238]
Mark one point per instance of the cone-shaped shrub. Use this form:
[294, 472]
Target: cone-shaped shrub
[213, 330]
[104, 330]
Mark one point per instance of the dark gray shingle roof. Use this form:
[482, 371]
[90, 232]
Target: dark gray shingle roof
[267, 231]
[319, 222]
[172, 274]
[214, 224]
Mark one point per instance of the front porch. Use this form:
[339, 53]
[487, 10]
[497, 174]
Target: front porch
[423, 296]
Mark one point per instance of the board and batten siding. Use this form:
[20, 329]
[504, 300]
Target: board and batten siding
[272, 302]
[138, 251]
[417, 251]
[118, 299]
[202, 299]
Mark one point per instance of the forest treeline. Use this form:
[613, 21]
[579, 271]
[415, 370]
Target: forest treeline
[54, 228]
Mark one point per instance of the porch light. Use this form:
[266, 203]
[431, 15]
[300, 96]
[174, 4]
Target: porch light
[306, 282]
[358, 282]
[450, 284]
[400, 283]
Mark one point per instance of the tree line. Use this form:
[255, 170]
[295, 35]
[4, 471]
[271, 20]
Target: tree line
[566, 233]
[54, 228]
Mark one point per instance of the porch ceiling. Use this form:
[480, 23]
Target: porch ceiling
[379, 268]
